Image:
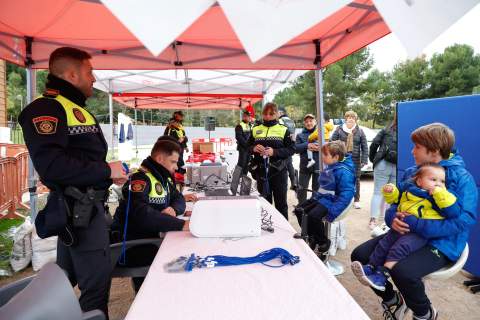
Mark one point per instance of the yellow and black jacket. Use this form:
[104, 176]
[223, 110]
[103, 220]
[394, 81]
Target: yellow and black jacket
[418, 202]
[67, 148]
[243, 130]
[274, 135]
[176, 130]
[152, 189]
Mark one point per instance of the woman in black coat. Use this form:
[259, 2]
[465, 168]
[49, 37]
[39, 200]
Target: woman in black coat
[356, 143]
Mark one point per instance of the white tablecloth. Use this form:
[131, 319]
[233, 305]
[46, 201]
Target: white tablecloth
[304, 291]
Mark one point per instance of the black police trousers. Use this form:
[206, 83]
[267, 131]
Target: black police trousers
[91, 270]
[277, 186]
[243, 155]
[407, 274]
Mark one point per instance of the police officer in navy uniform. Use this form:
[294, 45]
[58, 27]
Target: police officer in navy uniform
[271, 145]
[175, 129]
[68, 151]
[155, 203]
[242, 134]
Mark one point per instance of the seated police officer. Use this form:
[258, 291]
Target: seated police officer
[155, 204]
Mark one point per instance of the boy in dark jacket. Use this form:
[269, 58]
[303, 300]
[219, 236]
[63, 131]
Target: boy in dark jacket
[337, 189]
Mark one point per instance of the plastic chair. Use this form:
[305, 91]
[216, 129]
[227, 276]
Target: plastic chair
[451, 270]
[130, 272]
[48, 295]
[335, 267]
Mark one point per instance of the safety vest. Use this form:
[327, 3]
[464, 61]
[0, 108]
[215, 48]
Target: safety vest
[79, 120]
[262, 132]
[246, 127]
[179, 130]
[158, 192]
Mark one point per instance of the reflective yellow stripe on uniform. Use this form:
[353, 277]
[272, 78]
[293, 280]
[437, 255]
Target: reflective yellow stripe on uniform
[245, 126]
[157, 194]
[276, 132]
[79, 120]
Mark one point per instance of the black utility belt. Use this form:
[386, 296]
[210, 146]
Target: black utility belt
[83, 204]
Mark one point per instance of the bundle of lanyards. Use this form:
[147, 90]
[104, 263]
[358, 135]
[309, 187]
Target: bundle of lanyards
[187, 264]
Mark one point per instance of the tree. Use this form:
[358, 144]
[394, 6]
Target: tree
[376, 97]
[341, 81]
[454, 72]
[409, 80]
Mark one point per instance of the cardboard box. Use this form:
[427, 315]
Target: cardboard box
[203, 147]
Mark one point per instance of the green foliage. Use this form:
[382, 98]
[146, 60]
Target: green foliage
[454, 72]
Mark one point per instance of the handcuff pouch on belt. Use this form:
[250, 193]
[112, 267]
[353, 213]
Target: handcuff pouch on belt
[83, 204]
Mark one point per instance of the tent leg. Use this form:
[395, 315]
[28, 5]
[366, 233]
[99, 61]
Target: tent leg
[136, 131]
[32, 176]
[320, 120]
[110, 110]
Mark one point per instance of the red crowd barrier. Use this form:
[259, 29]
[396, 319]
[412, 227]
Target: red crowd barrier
[13, 178]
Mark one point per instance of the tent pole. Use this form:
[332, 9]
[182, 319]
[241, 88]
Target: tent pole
[31, 92]
[110, 110]
[136, 131]
[319, 102]
[32, 175]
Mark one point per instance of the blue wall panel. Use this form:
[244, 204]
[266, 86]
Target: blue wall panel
[462, 114]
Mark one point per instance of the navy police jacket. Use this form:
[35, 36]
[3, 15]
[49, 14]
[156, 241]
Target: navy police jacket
[151, 189]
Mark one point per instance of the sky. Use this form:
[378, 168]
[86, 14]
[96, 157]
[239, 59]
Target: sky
[388, 51]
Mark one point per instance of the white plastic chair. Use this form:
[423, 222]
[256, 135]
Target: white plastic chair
[335, 267]
[451, 270]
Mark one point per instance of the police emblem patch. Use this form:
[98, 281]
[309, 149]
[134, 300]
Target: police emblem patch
[79, 115]
[45, 124]
[138, 185]
[158, 188]
[259, 131]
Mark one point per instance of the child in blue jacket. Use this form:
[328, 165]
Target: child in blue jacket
[337, 188]
[425, 197]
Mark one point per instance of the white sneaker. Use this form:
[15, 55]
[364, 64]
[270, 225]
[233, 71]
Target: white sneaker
[357, 205]
[310, 163]
[379, 230]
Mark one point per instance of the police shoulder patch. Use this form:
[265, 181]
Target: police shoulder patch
[137, 185]
[158, 188]
[79, 115]
[45, 124]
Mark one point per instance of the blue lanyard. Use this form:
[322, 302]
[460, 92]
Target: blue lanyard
[186, 264]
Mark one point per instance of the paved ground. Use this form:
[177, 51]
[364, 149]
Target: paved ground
[449, 297]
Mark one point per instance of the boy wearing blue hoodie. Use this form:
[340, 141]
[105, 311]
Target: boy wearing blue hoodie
[337, 188]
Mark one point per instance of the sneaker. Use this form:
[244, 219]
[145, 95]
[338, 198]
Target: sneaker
[379, 230]
[361, 272]
[433, 315]
[377, 280]
[372, 224]
[357, 205]
[310, 163]
[395, 311]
